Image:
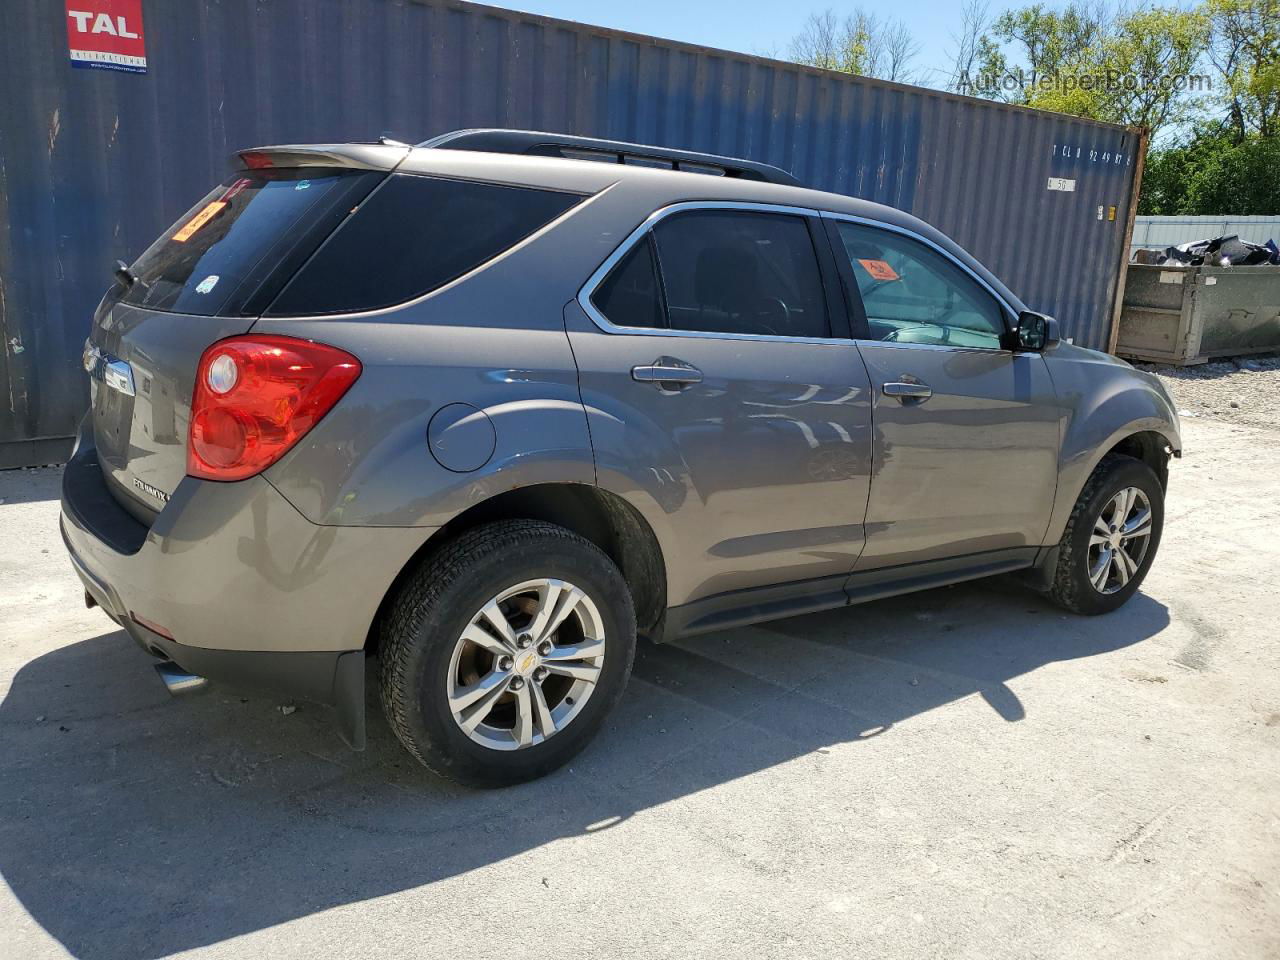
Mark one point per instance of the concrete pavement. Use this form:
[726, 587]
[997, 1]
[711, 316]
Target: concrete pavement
[963, 773]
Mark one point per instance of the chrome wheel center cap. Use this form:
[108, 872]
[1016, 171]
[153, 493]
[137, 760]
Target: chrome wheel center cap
[526, 662]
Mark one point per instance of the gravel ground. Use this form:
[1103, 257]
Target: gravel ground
[962, 773]
[1240, 390]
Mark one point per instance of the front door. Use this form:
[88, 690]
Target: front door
[714, 385]
[966, 432]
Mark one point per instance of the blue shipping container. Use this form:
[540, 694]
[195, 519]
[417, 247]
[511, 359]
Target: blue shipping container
[94, 164]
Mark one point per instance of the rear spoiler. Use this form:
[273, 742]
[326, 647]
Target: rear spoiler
[354, 156]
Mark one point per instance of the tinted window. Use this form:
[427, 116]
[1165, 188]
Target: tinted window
[209, 261]
[413, 235]
[629, 295]
[913, 294]
[739, 272]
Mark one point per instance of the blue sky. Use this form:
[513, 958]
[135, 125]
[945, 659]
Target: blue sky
[752, 26]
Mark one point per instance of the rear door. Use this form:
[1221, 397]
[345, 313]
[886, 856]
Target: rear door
[966, 431]
[206, 278]
[715, 382]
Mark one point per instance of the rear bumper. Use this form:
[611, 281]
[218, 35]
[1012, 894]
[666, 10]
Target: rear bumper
[333, 678]
[245, 588]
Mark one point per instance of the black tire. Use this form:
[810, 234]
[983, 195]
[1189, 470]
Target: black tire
[1071, 587]
[438, 601]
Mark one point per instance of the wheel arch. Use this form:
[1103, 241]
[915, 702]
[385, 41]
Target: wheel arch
[1143, 440]
[1149, 446]
[601, 517]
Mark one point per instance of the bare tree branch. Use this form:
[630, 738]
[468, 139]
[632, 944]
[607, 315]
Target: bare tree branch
[861, 43]
[975, 22]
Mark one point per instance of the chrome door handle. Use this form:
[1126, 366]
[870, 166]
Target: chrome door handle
[907, 391]
[666, 370]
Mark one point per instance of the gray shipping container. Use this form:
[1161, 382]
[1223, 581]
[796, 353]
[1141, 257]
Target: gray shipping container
[95, 164]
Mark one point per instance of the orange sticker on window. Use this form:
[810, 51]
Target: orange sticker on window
[198, 221]
[879, 269]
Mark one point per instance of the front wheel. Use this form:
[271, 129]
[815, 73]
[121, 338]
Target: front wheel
[1111, 538]
[504, 653]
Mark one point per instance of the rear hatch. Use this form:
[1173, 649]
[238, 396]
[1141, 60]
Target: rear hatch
[208, 277]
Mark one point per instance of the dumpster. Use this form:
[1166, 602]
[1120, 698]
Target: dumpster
[1185, 315]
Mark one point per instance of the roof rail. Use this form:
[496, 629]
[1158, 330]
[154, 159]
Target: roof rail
[535, 143]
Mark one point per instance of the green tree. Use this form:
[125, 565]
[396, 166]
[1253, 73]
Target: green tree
[1135, 67]
[1246, 53]
[1169, 171]
[1211, 174]
[1159, 48]
[1047, 43]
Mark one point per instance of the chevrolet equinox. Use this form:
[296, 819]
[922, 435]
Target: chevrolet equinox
[491, 407]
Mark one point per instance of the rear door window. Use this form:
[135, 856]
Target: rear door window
[630, 295]
[212, 261]
[733, 271]
[413, 235]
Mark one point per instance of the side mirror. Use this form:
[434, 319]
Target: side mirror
[1035, 331]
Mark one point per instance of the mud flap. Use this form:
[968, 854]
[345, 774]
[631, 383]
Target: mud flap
[1039, 576]
[348, 699]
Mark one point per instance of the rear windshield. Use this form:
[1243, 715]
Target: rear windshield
[221, 253]
[412, 235]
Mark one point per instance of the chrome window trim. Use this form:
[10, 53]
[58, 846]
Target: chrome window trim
[947, 347]
[1009, 311]
[636, 235]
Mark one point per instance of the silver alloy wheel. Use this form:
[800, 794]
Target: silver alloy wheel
[1119, 540]
[526, 664]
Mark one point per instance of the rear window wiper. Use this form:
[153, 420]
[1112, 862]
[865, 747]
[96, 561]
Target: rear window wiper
[127, 277]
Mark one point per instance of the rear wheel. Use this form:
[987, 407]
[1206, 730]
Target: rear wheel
[506, 650]
[1111, 539]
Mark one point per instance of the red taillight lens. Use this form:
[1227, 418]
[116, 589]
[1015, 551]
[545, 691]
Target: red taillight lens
[256, 397]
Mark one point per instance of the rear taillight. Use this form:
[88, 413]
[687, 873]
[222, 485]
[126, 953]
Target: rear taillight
[256, 396]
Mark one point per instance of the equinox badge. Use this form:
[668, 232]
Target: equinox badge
[150, 490]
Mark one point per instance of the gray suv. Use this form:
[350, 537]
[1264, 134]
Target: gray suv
[491, 407]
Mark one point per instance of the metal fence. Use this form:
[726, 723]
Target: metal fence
[95, 164]
[1156, 233]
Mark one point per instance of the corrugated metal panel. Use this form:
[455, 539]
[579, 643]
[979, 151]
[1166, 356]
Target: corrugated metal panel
[1156, 233]
[94, 164]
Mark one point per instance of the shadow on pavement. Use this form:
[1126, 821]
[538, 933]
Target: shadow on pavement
[134, 826]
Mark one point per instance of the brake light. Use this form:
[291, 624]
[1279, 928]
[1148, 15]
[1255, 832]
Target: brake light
[256, 396]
